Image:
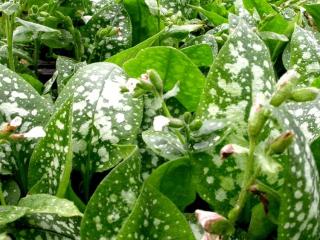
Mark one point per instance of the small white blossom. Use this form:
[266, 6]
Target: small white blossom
[230, 149]
[173, 92]
[159, 122]
[131, 84]
[36, 132]
[16, 122]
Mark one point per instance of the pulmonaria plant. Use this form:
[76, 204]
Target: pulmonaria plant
[202, 123]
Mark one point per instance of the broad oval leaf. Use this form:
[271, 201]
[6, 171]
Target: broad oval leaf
[19, 98]
[200, 54]
[103, 116]
[300, 199]
[173, 66]
[165, 144]
[106, 13]
[113, 200]
[155, 217]
[51, 162]
[240, 72]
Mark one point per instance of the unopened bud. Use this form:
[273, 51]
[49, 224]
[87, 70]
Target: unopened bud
[187, 117]
[258, 117]
[108, 31]
[281, 143]
[155, 80]
[176, 123]
[214, 223]
[230, 149]
[196, 125]
[145, 83]
[304, 94]
[285, 86]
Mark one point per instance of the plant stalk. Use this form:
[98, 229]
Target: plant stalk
[2, 200]
[9, 19]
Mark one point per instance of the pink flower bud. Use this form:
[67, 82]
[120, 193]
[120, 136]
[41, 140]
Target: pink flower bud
[230, 149]
[206, 219]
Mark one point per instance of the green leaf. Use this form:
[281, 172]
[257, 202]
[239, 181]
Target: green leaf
[11, 191]
[66, 68]
[279, 25]
[262, 6]
[9, 8]
[11, 213]
[305, 52]
[113, 200]
[35, 83]
[300, 204]
[260, 226]
[212, 16]
[105, 14]
[103, 116]
[58, 39]
[51, 162]
[35, 27]
[164, 144]
[155, 216]
[240, 72]
[144, 24]
[174, 180]
[201, 54]
[121, 57]
[314, 11]
[19, 98]
[173, 66]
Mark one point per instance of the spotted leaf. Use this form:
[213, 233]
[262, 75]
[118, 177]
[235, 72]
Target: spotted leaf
[241, 70]
[304, 52]
[11, 213]
[173, 66]
[155, 217]
[103, 116]
[305, 57]
[165, 144]
[18, 98]
[299, 210]
[201, 54]
[113, 200]
[51, 162]
[104, 14]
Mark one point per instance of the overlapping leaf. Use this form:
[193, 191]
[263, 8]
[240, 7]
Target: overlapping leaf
[173, 66]
[104, 14]
[103, 116]
[113, 200]
[18, 98]
[155, 217]
[305, 57]
[51, 162]
[300, 199]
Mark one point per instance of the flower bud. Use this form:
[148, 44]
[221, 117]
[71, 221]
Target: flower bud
[176, 123]
[230, 149]
[108, 31]
[196, 125]
[258, 117]
[304, 94]
[285, 86]
[281, 143]
[214, 223]
[187, 117]
[155, 80]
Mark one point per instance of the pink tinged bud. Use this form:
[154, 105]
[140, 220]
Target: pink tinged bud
[16, 122]
[206, 219]
[131, 84]
[230, 149]
[209, 236]
[285, 86]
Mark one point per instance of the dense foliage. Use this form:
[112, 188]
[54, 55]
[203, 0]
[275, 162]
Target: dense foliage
[144, 119]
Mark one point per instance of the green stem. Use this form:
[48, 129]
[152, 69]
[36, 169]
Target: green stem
[249, 177]
[2, 200]
[262, 187]
[168, 114]
[9, 33]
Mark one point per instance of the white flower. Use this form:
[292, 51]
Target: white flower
[131, 84]
[36, 132]
[159, 122]
[173, 92]
[16, 122]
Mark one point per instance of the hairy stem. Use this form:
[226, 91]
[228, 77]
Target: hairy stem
[9, 19]
[249, 177]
